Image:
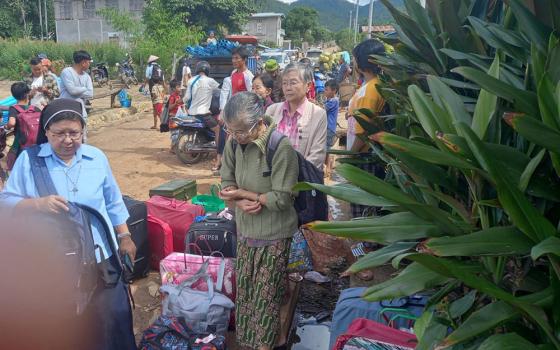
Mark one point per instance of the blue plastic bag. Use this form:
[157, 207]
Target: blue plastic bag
[300, 254]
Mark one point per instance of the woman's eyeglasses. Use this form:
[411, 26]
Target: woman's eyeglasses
[238, 133]
[73, 135]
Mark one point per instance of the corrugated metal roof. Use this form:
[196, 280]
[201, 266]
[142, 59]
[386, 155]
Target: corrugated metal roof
[266, 14]
[377, 29]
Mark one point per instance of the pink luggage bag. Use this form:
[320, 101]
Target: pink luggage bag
[160, 238]
[178, 214]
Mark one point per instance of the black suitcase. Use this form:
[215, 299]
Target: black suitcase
[138, 226]
[213, 234]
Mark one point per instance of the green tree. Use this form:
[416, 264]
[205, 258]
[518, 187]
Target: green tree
[302, 23]
[211, 14]
[345, 39]
[160, 32]
[19, 18]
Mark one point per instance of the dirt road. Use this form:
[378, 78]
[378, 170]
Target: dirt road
[140, 157]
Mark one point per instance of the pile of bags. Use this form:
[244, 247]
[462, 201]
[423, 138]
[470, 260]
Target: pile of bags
[222, 49]
[194, 250]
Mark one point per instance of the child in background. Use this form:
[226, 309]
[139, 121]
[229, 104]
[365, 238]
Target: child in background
[263, 84]
[158, 97]
[20, 91]
[175, 102]
[331, 106]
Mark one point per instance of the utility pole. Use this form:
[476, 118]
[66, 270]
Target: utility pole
[350, 24]
[356, 22]
[370, 19]
[41, 18]
[46, 21]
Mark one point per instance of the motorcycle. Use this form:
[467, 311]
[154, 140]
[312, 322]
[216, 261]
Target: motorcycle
[195, 141]
[100, 74]
[126, 71]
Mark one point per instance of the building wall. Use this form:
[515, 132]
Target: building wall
[77, 21]
[265, 29]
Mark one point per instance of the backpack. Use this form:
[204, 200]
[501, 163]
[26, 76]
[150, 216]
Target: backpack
[157, 72]
[73, 234]
[215, 103]
[28, 125]
[170, 332]
[218, 234]
[310, 205]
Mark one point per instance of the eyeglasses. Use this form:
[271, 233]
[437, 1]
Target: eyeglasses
[291, 83]
[240, 133]
[73, 135]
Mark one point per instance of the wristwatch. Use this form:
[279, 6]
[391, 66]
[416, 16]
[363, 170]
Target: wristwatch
[258, 198]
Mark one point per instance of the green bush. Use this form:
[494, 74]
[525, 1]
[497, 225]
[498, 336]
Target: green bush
[15, 54]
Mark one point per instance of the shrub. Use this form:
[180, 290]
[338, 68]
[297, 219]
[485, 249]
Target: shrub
[15, 54]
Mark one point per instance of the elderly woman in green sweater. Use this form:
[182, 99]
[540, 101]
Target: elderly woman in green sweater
[266, 218]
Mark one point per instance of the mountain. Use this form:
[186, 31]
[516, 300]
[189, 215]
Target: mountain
[335, 14]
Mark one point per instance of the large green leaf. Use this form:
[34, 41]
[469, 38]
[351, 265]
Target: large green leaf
[525, 101]
[486, 104]
[421, 151]
[519, 209]
[535, 131]
[497, 38]
[416, 39]
[380, 256]
[432, 117]
[448, 100]
[372, 184]
[530, 25]
[509, 341]
[550, 245]
[413, 279]
[492, 315]
[547, 103]
[433, 173]
[384, 229]
[530, 170]
[492, 241]
[348, 193]
[460, 306]
[454, 269]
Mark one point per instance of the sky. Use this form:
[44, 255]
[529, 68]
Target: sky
[362, 2]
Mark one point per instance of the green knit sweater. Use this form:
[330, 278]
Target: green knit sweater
[247, 169]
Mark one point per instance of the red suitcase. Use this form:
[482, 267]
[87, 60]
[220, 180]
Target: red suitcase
[160, 239]
[178, 214]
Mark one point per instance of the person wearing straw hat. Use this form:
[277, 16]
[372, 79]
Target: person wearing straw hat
[273, 68]
[153, 70]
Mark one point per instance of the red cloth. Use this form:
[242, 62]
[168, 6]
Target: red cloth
[173, 98]
[238, 83]
[311, 92]
[158, 107]
[365, 328]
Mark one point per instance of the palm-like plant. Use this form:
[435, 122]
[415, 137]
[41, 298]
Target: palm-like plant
[471, 199]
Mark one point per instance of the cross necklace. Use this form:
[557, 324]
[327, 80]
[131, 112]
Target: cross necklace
[74, 189]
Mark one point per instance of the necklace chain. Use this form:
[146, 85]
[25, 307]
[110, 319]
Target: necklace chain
[74, 189]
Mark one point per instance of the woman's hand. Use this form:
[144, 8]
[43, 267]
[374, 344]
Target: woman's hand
[127, 246]
[231, 194]
[52, 204]
[249, 207]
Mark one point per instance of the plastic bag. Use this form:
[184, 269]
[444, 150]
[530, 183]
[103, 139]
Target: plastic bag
[300, 254]
[181, 113]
